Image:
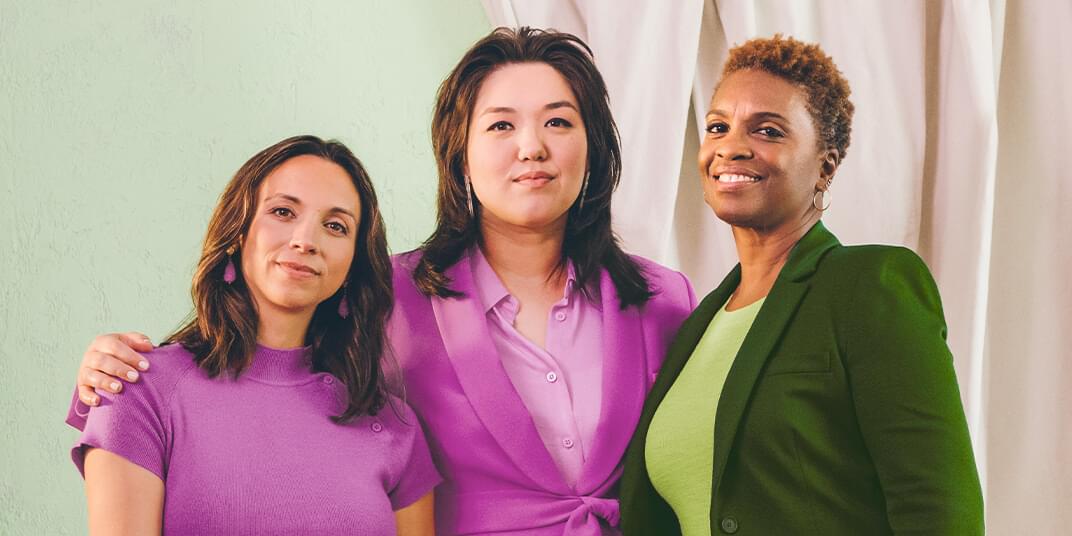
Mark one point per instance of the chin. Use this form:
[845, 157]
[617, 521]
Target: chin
[735, 216]
[537, 218]
[293, 301]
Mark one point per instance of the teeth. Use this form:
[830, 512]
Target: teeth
[736, 178]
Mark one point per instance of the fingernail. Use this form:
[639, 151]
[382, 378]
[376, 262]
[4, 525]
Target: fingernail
[132, 376]
[114, 386]
[144, 365]
[93, 400]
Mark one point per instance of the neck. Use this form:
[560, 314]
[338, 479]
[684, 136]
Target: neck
[522, 254]
[763, 254]
[282, 329]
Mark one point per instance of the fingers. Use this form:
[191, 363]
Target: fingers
[92, 379]
[107, 365]
[116, 346]
[136, 341]
[88, 396]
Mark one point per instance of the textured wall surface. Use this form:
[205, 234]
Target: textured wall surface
[120, 122]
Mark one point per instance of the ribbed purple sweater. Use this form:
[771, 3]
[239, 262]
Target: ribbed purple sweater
[259, 455]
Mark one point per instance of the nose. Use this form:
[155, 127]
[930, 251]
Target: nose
[530, 145]
[733, 146]
[304, 237]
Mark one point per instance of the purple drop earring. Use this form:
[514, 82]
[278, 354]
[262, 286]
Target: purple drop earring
[229, 275]
[344, 305]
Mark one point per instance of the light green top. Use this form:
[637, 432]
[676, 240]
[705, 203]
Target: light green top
[681, 440]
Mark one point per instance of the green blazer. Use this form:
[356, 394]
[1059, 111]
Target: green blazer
[841, 412]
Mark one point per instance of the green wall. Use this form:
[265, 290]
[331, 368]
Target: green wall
[120, 122]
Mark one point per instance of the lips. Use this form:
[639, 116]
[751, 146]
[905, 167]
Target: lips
[534, 178]
[297, 269]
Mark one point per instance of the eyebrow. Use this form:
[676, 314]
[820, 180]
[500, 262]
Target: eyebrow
[756, 116]
[296, 201]
[552, 106]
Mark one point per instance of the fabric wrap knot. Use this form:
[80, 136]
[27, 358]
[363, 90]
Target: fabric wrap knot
[593, 509]
[529, 512]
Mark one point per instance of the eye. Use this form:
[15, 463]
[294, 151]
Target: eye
[558, 122]
[717, 127]
[337, 227]
[282, 212]
[771, 132]
[500, 126]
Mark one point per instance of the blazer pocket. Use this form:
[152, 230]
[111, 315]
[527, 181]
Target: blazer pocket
[808, 363]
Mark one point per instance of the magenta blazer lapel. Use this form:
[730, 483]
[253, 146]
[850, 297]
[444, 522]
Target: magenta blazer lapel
[464, 329]
[624, 387]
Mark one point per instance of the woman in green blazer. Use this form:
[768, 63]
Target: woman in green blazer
[813, 391]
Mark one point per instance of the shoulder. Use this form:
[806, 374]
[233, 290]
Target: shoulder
[171, 359]
[403, 265]
[672, 295]
[882, 276]
[667, 284]
[155, 388]
[884, 266]
[875, 257]
[407, 261]
[405, 288]
[169, 365]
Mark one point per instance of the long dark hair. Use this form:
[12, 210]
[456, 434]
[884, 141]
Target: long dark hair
[222, 333]
[589, 242]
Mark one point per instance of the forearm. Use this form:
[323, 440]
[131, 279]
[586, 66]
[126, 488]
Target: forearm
[417, 519]
[122, 498]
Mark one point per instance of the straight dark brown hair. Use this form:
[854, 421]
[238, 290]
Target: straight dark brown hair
[222, 331]
[589, 242]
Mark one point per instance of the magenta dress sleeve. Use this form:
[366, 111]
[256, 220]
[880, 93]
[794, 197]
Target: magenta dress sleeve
[417, 475]
[77, 413]
[131, 424]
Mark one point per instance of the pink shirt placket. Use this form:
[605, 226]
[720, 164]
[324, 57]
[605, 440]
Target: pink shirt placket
[561, 385]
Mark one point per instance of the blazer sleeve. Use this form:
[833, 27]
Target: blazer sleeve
[907, 400]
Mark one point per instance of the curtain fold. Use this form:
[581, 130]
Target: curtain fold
[959, 151]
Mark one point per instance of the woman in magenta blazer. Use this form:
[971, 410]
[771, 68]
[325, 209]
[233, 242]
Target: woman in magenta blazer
[526, 337]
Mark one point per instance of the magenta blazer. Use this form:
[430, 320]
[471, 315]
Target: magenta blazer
[499, 477]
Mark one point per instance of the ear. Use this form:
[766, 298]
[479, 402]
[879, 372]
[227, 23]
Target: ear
[829, 160]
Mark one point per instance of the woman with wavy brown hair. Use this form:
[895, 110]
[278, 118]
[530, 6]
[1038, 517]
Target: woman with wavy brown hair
[527, 337]
[256, 411]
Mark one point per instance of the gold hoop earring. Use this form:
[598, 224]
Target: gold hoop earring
[818, 203]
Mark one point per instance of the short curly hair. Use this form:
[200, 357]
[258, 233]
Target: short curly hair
[809, 68]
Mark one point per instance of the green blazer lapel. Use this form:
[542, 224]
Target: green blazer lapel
[782, 301]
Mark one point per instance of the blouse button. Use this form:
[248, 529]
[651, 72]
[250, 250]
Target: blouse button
[376, 427]
[560, 316]
[329, 380]
[552, 377]
[567, 442]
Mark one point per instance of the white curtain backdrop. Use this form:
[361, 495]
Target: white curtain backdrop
[960, 143]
